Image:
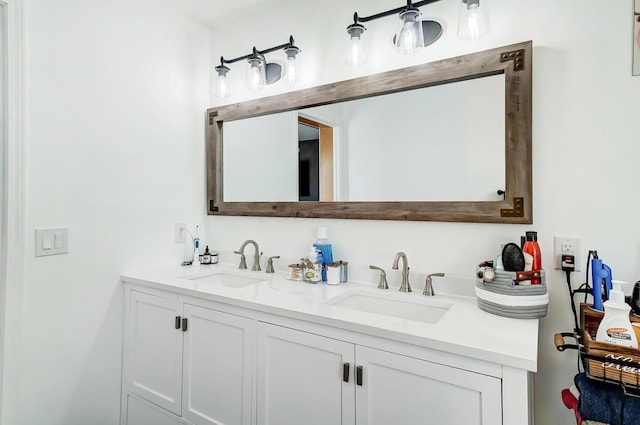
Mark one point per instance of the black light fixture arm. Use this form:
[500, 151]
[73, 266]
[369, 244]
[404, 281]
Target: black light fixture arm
[397, 10]
[258, 53]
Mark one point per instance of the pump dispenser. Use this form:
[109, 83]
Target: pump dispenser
[323, 244]
[615, 327]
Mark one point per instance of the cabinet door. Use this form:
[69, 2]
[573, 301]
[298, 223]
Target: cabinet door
[218, 367]
[142, 413]
[153, 349]
[403, 390]
[300, 378]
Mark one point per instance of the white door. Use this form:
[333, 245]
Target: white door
[303, 378]
[218, 367]
[396, 389]
[153, 349]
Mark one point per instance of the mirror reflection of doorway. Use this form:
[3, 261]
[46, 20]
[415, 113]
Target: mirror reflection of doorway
[315, 161]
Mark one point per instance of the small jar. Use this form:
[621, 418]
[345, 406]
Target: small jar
[295, 272]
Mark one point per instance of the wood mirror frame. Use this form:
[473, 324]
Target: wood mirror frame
[514, 61]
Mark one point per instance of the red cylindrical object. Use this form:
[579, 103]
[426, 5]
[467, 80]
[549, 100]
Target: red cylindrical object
[532, 248]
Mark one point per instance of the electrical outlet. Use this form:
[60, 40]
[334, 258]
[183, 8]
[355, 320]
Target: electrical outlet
[567, 245]
[180, 234]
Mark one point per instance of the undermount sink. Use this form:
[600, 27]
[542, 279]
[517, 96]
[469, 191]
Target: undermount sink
[228, 279]
[403, 306]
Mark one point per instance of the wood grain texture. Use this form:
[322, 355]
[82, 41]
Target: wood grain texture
[518, 141]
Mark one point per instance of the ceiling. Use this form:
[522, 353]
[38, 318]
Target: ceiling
[212, 11]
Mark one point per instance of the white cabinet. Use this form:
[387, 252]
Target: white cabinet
[398, 389]
[153, 349]
[193, 361]
[300, 378]
[311, 379]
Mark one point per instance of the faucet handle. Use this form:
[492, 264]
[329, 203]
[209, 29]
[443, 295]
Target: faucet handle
[382, 284]
[270, 268]
[428, 285]
[243, 260]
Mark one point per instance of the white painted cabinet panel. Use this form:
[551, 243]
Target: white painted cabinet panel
[218, 367]
[398, 389]
[142, 413]
[195, 362]
[153, 349]
[300, 378]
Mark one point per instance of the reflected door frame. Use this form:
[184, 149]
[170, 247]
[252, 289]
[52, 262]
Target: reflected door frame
[325, 154]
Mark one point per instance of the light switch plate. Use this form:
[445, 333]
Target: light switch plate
[52, 241]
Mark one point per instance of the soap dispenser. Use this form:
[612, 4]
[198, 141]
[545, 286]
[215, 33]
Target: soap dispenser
[615, 327]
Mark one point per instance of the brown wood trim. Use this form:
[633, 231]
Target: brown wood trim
[518, 141]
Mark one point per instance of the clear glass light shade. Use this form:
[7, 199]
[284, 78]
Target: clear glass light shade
[356, 51]
[409, 36]
[222, 88]
[473, 20]
[292, 70]
[255, 77]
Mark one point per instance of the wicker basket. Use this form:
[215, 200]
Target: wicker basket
[607, 362]
[504, 296]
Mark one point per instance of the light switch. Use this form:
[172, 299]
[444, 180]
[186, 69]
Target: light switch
[52, 241]
[46, 241]
[58, 240]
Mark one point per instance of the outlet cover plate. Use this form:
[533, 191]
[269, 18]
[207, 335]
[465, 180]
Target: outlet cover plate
[567, 245]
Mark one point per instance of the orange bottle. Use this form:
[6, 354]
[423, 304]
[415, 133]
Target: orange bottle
[532, 248]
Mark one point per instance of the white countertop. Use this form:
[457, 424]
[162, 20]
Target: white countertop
[464, 329]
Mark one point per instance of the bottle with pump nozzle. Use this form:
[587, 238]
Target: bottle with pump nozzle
[615, 327]
[323, 244]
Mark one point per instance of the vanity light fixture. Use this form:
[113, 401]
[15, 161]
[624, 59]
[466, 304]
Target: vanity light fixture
[260, 72]
[414, 33]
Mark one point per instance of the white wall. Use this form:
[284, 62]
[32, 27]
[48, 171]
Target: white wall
[585, 147]
[114, 143]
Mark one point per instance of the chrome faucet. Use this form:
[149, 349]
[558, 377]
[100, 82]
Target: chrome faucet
[405, 286]
[256, 256]
[382, 283]
[270, 268]
[428, 286]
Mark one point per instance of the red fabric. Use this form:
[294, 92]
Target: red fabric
[571, 402]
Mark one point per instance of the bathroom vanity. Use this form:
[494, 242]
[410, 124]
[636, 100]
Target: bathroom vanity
[218, 345]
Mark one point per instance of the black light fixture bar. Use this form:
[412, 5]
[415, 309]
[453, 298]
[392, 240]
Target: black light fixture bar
[395, 11]
[259, 53]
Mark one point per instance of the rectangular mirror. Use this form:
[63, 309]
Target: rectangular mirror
[444, 141]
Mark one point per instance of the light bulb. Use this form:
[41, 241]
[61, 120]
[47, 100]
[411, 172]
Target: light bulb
[255, 76]
[409, 37]
[291, 72]
[222, 87]
[356, 52]
[254, 79]
[473, 20]
[357, 48]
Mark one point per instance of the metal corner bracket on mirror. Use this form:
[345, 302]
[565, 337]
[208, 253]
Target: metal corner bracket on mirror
[512, 65]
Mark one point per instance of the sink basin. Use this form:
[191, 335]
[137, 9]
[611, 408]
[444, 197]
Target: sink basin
[228, 280]
[404, 306]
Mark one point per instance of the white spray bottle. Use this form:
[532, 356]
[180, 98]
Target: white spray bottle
[615, 327]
